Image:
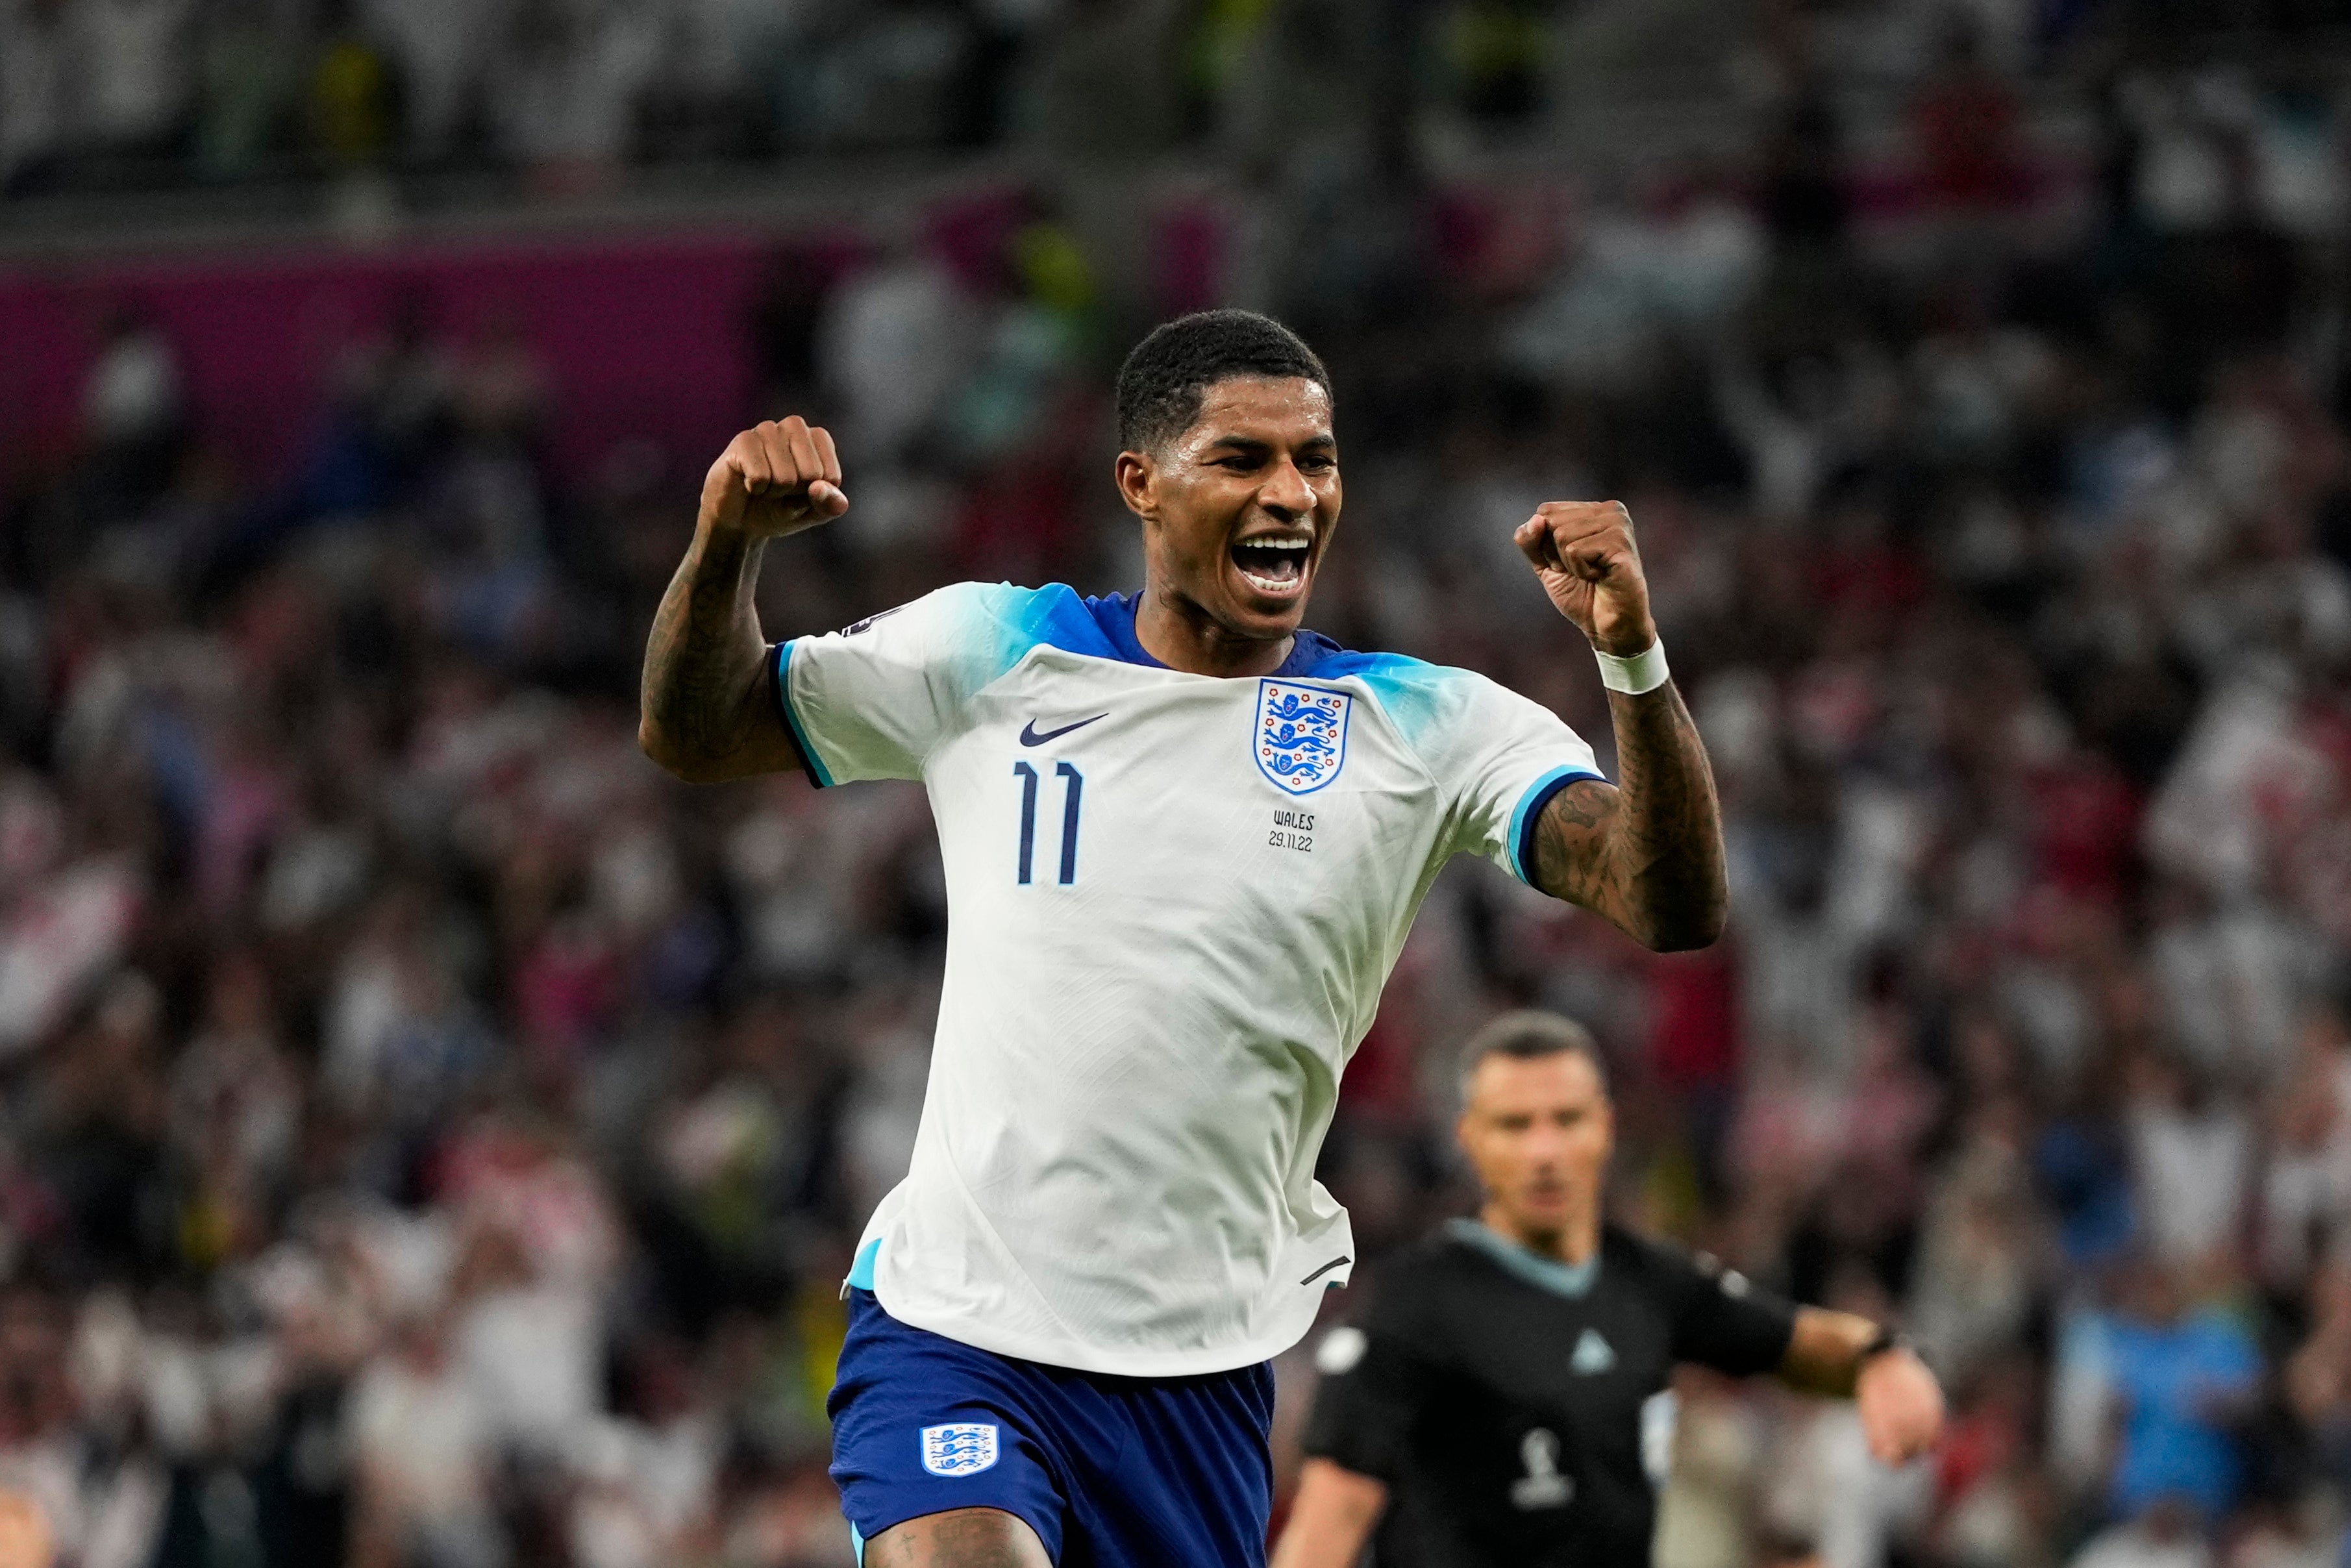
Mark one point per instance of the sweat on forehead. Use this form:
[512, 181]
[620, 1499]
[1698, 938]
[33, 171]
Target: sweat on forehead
[1160, 385]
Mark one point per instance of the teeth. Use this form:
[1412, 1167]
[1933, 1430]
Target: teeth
[1290, 551]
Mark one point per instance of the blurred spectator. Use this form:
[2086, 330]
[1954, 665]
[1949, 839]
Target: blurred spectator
[441, 50]
[2183, 1379]
[426, 1452]
[563, 89]
[37, 83]
[138, 80]
[893, 341]
[350, 100]
[1966, 119]
[134, 408]
[2193, 1155]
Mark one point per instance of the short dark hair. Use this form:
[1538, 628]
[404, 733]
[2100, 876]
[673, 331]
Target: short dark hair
[1161, 384]
[1528, 1035]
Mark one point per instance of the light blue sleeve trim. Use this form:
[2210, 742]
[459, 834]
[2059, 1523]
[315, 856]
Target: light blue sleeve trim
[816, 769]
[861, 1273]
[1524, 815]
[857, 1544]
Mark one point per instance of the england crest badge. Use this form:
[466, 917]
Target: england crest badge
[964, 1448]
[1301, 734]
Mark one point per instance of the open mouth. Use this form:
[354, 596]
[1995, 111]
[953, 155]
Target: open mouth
[1273, 565]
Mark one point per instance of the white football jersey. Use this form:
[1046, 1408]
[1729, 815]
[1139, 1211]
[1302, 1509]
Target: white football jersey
[1172, 903]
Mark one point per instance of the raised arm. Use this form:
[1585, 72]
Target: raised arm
[706, 713]
[1645, 854]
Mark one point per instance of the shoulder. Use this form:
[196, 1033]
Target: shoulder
[979, 629]
[1669, 1268]
[1427, 703]
[1317, 658]
[1058, 616]
[1005, 608]
[957, 606]
[1435, 1257]
[1410, 1284]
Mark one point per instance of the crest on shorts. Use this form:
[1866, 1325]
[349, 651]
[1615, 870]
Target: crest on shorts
[1301, 734]
[964, 1448]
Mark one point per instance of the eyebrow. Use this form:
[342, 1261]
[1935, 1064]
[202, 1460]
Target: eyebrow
[1255, 443]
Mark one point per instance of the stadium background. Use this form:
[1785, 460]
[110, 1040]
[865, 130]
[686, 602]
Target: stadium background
[430, 1136]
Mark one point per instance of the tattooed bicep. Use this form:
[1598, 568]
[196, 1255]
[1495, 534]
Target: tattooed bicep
[1646, 857]
[1587, 803]
[1572, 841]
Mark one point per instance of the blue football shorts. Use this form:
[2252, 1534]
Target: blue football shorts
[1111, 1472]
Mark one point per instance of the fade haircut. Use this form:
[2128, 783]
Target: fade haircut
[1164, 379]
[1528, 1036]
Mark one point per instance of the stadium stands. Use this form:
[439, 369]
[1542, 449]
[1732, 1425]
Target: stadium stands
[428, 1136]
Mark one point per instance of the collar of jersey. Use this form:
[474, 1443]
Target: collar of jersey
[1115, 617]
[1570, 1279]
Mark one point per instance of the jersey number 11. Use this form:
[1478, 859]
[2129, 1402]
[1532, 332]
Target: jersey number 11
[1069, 820]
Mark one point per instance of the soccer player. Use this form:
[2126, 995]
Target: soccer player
[1506, 1401]
[1183, 840]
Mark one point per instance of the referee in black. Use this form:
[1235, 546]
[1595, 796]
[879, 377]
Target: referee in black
[1506, 1402]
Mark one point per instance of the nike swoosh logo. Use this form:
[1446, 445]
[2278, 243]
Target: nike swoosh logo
[1029, 736]
[1322, 1271]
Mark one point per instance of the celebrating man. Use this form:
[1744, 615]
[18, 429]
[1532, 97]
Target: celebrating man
[1184, 840]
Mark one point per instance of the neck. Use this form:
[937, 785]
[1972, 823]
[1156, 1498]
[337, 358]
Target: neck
[1572, 1243]
[1181, 636]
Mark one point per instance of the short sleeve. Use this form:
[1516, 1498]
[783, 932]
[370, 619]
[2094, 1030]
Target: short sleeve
[1720, 1318]
[1497, 758]
[1374, 1380]
[1502, 757]
[873, 699]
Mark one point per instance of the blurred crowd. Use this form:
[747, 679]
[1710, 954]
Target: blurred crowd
[143, 94]
[100, 93]
[100, 96]
[430, 1139]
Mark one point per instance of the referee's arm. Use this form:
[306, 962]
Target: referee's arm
[1331, 1518]
[1722, 1322]
[1848, 1357]
[1374, 1381]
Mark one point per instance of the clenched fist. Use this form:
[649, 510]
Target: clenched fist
[1900, 1404]
[1583, 555]
[776, 478]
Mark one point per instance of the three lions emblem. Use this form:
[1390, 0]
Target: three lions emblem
[1301, 734]
[959, 1449]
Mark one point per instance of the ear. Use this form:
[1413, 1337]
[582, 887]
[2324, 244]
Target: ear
[1137, 475]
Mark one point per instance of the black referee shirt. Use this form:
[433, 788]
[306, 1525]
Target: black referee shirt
[1518, 1409]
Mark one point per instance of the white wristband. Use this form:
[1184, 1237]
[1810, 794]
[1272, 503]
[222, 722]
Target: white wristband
[1644, 672]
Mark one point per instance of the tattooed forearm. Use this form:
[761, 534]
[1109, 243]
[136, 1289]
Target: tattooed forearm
[704, 714]
[1646, 855]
